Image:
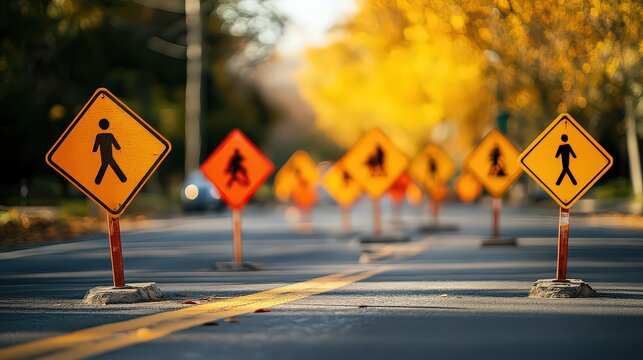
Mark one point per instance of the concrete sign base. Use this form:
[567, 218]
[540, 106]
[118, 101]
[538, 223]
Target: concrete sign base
[572, 288]
[131, 293]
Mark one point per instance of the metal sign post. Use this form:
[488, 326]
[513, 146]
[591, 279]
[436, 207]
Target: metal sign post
[236, 236]
[495, 205]
[116, 251]
[377, 217]
[563, 245]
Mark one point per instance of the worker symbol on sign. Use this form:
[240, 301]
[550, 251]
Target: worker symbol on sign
[104, 142]
[346, 177]
[376, 162]
[433, 168]
[564, 150]
[497, 163]
[237, 171]
[300, 177]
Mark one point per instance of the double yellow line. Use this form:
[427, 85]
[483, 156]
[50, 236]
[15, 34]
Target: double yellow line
[101, 339]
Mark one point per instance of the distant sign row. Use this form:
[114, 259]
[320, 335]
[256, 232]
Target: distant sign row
[564, 159]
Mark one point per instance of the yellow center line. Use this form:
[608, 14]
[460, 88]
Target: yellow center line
[104, 338]
[398, 250]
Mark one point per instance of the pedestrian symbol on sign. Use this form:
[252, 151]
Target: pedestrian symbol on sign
[104, 142]
[237, 171]
[376, 162]
[564, 150]
[497, 162]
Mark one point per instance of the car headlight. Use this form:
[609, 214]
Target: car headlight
[191, 192]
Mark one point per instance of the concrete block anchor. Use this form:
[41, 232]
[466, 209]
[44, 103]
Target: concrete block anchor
[561, 289]
[131, 293]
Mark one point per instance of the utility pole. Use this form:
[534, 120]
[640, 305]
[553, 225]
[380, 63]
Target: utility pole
[193, 87]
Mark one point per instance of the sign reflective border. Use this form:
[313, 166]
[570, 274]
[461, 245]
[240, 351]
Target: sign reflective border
[565, 160]
[108, 152]
[237, 168]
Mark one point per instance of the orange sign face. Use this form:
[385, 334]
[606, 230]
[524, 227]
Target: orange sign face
[398, 189]
[108, 152]
[341, 186]
[467, 187]
[375, 162]
[432, 167]
[565, 160]
[494, 162]
[237, 168]
[298, 173]
[414, 194]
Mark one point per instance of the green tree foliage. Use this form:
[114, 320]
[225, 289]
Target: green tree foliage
[55, 53]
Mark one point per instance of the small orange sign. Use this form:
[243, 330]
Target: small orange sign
[565, 160]
[298, 174]
[414, 194]
[398, 189]
[375, 162]
[432, 167]
[467, 187]
[108, 152]
[340, 185]
[237, 168]
[494, 162]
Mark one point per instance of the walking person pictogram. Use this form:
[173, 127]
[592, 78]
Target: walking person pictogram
[237, 171]
[433, 169]
[104, 142]
[564, 150]
[497, 163]
[376, 162]
[346, 177]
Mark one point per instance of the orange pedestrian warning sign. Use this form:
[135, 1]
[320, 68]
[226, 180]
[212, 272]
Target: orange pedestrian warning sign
[565, 160]
[298, 174]
[494, 162]
[237, 168]
[340, 185]
[108, 152]
[375, 162]
[432, 167]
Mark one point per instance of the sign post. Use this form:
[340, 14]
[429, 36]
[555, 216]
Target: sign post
[343, 189]
[397, 192]
[109, 152]
[116, 254]
[566, 161]
[433, 168]
[237, 168]
[375, 162]
[494, 163]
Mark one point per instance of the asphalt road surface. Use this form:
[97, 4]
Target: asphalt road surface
[326, 296]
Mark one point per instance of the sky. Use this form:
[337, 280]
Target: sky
[309, 21]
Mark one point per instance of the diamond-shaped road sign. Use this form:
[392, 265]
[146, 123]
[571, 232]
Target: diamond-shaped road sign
[494, 162]
[375, 162]
[340, 185]
[297, 174]
[108, 152]
[432, 168]
[565, 160]
[237, 168]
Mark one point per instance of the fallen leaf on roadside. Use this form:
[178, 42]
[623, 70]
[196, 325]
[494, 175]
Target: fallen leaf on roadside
[188, 302]
[262, 310]
[211, 323]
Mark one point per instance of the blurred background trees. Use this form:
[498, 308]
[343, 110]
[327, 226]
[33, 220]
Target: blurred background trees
[444, 70]
[55, 53]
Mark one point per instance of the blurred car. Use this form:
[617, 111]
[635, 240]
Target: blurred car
[198, 194]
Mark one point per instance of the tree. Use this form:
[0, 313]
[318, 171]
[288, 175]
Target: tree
[396, 66]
